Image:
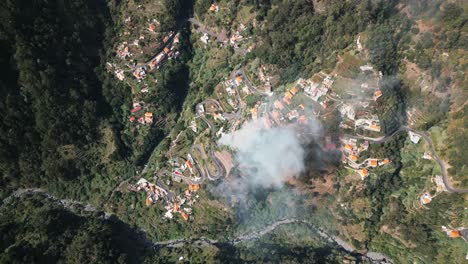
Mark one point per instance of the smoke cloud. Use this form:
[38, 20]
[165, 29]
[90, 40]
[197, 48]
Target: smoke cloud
[267, 157]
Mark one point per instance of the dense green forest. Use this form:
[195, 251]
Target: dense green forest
[36, 229]
[51, 100]
[61, 110]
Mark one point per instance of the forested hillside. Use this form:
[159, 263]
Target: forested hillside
[52, 102]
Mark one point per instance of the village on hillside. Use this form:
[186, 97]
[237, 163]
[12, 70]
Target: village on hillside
[321, 96]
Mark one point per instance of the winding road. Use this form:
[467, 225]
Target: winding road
[428, 139]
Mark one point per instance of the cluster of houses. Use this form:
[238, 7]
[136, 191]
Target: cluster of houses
[351, 151]
[456, 232]
[154, 192]
[178, 204]
[167, 52]
[139, 70]
[145, 119]
[372, 123]
[317, 91]
[265, 79]
[426, 197]
[183, 168]
[284, 111]
[183, 205]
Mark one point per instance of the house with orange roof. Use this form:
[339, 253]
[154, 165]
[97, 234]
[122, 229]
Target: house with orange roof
[373, 163]
[353, 157]
[287, 100]
[151, 27]
[214, 7]
[364, 173]
[454, 233]
[185, 216]
[426, 198]
[374, 127]
[189, 165]
[384, 162]
[148, 201]
[254, 113]
[238, 80]
[194, 187]
[166, 50]
[302, 106]
[132, 119]
[148, 117]
[279, 105]
[348, 147]
[276, 115]
[294, 90]
[288, 95]
[176, 208]
[377, 94]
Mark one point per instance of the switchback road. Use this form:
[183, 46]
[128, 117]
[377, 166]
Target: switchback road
[428, 139]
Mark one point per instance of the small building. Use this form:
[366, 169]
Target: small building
[377, 94]
[353, 157]
[189, 165]
[348, 148]
[440, 183]
[373, 163]
[374, 127]
[205, 38]
[185, 216]
[238, 80]
[254, 113]
[120, 74]
[427, 156]
[366, 68]
[279, 105]
[176, 208]
[136, 109]
[293, 114]
[426, 198]
[148, 117]
[214, 7]
[219, 116]
[384, 162]
[414, 137]
[294, 90]
[194, 187]
[364, 173]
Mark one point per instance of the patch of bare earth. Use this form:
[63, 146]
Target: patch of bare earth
[226, 159]
[324, 185]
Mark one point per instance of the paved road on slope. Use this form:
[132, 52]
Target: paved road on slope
[249, 84]
[221, 171]
[428, 139]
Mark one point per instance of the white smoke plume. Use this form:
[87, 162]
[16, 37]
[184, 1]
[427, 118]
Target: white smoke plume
[267, 157]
